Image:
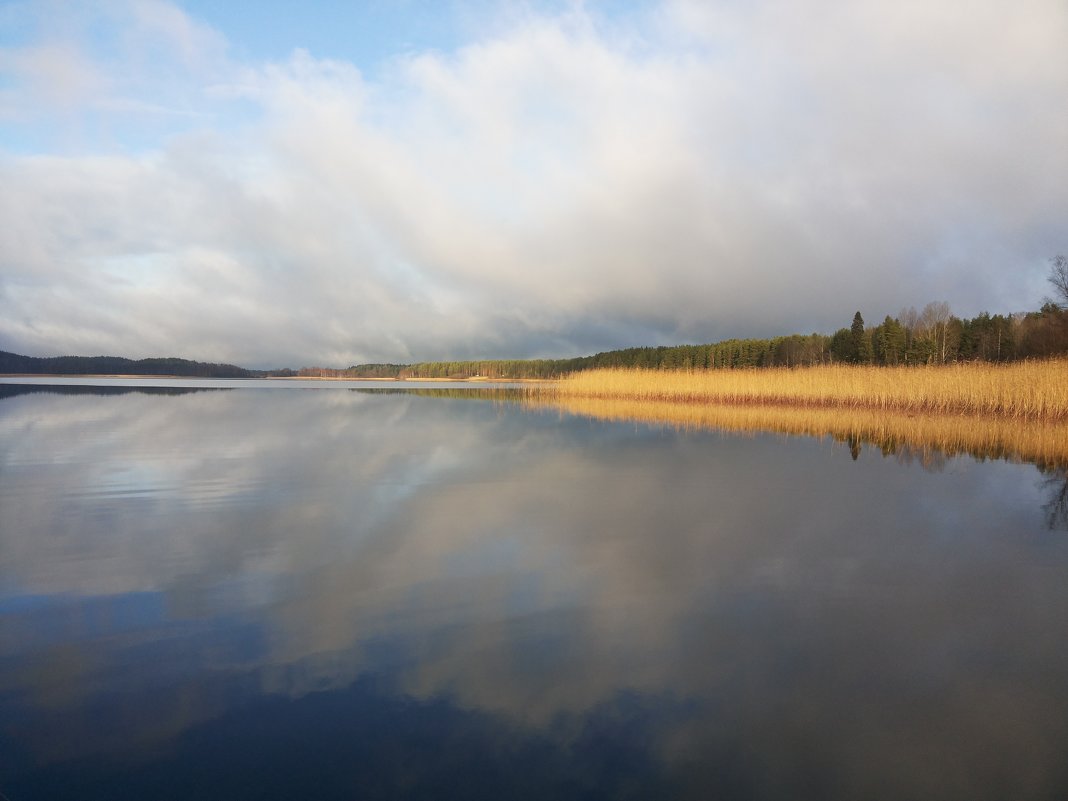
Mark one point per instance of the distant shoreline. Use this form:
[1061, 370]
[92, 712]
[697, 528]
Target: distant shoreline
[472, 380]
[143, 376]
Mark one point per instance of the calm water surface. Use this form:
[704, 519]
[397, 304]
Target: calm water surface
[337, 594]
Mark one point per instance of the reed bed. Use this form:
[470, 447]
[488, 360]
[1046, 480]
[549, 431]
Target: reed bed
[1015, 439]
[1031, 390]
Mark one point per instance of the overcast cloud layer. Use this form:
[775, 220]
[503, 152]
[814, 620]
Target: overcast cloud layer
[564, 182]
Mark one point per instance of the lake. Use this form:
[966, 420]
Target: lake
[221, 590]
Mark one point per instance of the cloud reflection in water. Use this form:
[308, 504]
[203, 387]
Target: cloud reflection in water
[750, 614]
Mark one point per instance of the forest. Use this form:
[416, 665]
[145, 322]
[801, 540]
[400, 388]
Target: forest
[932, 335]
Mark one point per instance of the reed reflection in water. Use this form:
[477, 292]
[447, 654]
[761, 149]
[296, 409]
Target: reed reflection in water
[1042, 443]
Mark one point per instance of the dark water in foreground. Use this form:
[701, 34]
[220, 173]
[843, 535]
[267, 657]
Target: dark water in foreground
[249, 593]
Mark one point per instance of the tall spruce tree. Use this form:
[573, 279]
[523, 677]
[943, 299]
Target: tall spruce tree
[861, 343]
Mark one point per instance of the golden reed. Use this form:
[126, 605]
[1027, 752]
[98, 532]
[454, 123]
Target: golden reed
[1032, 390]
[1017, 411]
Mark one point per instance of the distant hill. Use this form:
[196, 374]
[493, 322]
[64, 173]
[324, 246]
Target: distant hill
[117, 365]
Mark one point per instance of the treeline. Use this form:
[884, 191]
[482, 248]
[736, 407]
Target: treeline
[936, 336]
[795, 349]
[117, 365]
[932, 335]
[356, 371]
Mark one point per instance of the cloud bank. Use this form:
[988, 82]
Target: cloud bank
[559, 184]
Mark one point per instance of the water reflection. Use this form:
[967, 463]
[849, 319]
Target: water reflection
[1055, 483]
[17, 390]
[233, 593]
[1044, 443]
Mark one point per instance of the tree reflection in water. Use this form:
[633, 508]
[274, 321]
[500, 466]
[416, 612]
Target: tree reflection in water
[1055, 482]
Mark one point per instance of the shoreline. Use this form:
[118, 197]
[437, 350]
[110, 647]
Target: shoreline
[140, 377]
[1029, 390]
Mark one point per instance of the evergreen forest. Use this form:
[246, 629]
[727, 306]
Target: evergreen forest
[932, 335]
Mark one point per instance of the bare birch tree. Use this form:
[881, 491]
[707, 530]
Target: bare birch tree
[1058, 276]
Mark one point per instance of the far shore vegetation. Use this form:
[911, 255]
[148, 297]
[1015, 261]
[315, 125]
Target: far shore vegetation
[930, 336]
[919, 362]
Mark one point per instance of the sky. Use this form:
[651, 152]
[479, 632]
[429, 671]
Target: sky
[281, 184]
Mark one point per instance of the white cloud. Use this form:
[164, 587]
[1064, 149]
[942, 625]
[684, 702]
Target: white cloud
[57, 76]
[558, 186]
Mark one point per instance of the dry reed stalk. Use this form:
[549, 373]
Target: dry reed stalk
[1032, 390]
